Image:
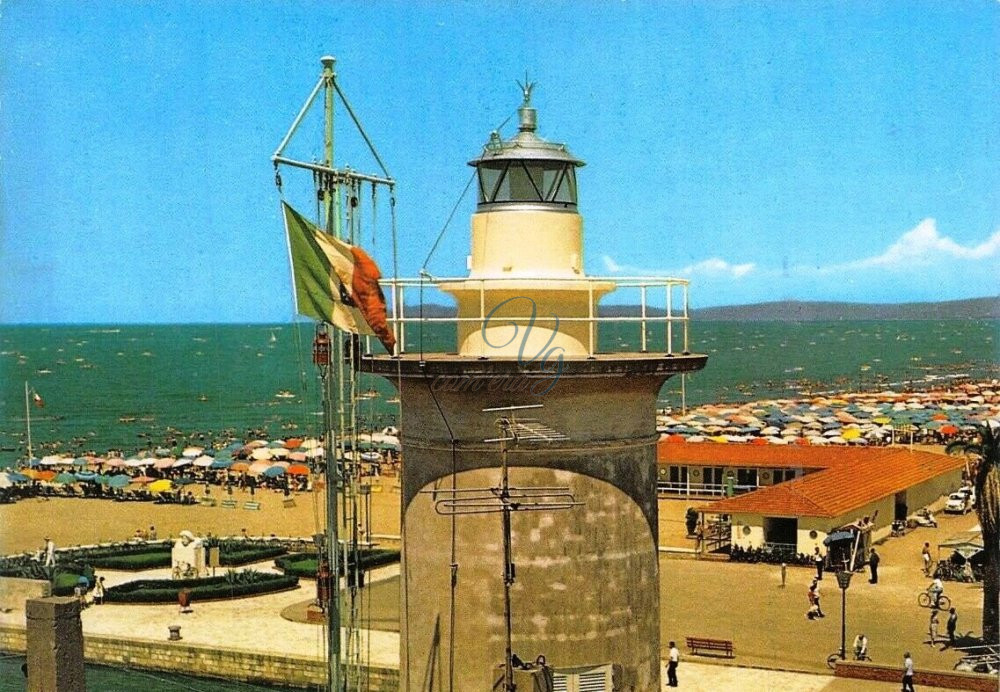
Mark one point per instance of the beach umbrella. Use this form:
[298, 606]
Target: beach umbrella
[183, 480]
[143, 480]
[85, 475]
[758, 441]
[64, 478]
[310, 443]
[135, 463]
[183, 461]
[273, 471]
[278, 452]
[697, 438]
[164, 463]
[948, 430]
[838, 440]
[120, 481]
[51, 460]
[315, 452]
[80, 461]
[162, 451]
[239, 466]
[102, 479]
[293, 443]
[777, 440]
[274, 444]
[261, 453]
[161, 486]
[297, 456]
[204, 461]
[46, 475]
[16, 477]
[674, 438]
[298, 470]
[226, 464]
[192, 452]
[114, 463]
[851, 434]
[258, 467]
[254, 444]
[803, 441]
[5, 481]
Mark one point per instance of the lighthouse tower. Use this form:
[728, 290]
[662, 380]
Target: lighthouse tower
[586, 590]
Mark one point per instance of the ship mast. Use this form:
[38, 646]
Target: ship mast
[334, 356]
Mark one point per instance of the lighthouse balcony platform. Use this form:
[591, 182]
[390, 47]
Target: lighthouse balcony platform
[535, 319]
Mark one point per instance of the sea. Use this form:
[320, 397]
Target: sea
[134, 388]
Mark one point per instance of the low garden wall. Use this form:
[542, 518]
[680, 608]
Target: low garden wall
[952, 680]
[208, 661]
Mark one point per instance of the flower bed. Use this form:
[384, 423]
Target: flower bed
[231, 554]
[305, 564]
[231, 585]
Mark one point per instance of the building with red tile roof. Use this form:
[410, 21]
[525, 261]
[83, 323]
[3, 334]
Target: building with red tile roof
[832, 487]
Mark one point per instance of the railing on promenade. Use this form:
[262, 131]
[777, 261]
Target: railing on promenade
[400, 315]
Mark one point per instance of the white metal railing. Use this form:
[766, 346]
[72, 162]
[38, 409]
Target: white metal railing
[689, 488]
[398, 319]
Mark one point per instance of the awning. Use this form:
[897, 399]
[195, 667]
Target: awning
[838, 536]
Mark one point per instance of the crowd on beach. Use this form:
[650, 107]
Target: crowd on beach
[188, 475]
[937, 416]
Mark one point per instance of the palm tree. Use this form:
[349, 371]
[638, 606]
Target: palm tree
[987, 482]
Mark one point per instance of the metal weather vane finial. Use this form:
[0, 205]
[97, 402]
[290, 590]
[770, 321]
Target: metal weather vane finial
[526, 88]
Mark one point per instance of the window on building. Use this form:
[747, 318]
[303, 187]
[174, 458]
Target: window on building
[548, 182]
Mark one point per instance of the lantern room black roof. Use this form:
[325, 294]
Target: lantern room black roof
[525, 144]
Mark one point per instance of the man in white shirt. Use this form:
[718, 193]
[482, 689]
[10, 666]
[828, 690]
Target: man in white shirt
[674, 658]
[907, 673]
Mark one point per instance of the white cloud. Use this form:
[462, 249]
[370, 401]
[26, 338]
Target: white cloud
[712, 267]
[921, 246]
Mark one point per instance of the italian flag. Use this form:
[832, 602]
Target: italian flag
[334, 281]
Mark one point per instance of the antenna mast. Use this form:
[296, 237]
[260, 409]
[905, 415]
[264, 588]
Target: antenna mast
[505, 499]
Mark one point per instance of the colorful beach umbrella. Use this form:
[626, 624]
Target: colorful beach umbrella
[64, 478]
[273, 471]
[161, 486]
[298, 470]
[119, 481]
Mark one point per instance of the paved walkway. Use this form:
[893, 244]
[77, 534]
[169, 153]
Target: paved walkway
[701, 677]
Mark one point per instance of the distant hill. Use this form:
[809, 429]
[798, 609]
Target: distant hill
[802, 311]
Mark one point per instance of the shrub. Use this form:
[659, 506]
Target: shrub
[305, 564]
[231, 585]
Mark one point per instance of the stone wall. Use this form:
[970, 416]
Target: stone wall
[952, 680]
[14, 591]
[207, 661]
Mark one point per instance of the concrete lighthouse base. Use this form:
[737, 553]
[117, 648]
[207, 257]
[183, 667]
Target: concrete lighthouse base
[586, 592]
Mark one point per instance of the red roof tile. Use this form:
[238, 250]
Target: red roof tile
[860, 478]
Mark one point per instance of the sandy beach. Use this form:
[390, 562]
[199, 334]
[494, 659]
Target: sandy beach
[82, 521]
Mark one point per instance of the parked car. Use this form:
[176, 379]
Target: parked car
[958, 503]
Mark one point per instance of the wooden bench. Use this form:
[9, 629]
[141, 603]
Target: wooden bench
[704, 644]
[228, 504]
[249, 504]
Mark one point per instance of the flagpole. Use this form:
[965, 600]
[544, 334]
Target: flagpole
[27, 418]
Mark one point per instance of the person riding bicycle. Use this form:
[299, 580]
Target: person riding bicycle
[860, 647]
[935, 590]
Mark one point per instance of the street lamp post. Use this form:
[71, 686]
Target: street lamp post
[843, 580]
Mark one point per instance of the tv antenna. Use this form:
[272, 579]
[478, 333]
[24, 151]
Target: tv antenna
[506, 499]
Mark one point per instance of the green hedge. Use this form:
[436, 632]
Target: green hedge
[232, 585]
[305, 564]
[231, 554]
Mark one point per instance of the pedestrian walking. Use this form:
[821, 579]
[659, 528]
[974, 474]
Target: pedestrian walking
[952, 624]
[932, 626]
[784, 570]
[99, 591]
[925, 554]
[873, 560]
[674, 659]
[818, 559]
[908, 673]
[50, 552]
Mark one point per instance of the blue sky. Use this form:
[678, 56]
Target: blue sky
[766, 151]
